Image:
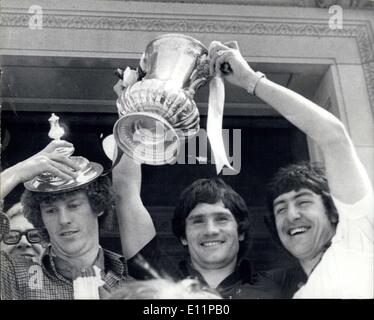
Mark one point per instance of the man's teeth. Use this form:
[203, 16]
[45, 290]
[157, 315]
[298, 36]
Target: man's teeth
[297, 230]
[68, 233]
[211, 243]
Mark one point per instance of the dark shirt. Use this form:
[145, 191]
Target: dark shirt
[23, 279]
[243, 283]
[289, 280]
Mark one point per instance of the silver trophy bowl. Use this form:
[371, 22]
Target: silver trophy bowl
[158, 113]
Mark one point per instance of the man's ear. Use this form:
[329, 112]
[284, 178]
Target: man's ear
[184, 241]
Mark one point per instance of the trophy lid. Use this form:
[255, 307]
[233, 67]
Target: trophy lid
[47, 182]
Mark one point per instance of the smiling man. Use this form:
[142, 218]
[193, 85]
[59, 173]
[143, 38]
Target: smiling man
[23, 239]
[210, 220]
[331, 240]
[67, 209]
[300, 218]
[213, 222]
[213, 236]
[304, 213]
[325, 220]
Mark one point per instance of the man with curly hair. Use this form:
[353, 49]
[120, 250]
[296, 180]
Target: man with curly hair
[324, 220]
[74, 266]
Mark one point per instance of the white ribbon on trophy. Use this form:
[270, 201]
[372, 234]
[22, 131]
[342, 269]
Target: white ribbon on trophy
[214, 122]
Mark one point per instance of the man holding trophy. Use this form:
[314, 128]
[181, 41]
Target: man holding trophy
[326, 222]
[212, 221]
[66, 197]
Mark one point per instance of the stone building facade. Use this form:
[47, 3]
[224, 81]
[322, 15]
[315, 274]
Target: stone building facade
[59, 56]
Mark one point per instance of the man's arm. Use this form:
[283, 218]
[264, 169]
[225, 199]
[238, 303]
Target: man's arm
[47, 160]
[347, 177]
[135, 223]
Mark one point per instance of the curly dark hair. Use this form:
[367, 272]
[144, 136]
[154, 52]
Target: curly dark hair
[100, 195]
[308, 175]
[211, 191]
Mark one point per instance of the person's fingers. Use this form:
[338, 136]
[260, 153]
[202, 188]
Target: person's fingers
[211, 49]
[66, 168]
[220, 67]
[56, 172]
[213, 63]
[60, 144]
[69, 162]
[118, 87]
[60, 170]
[216, 46]
[55, 144]
[62, 152]
[217, 49]
[232, 45]
[119, 83]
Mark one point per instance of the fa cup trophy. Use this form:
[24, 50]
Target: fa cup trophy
[157, 113]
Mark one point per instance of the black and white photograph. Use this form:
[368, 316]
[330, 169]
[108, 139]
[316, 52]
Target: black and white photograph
[187, 150]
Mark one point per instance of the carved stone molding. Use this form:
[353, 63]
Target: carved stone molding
[365, 45]
[59, 21]
[280, 3]
[360, 32]
[369, 78]
[360, 4]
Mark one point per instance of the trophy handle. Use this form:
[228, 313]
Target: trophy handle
[196, 85]
[201, 74]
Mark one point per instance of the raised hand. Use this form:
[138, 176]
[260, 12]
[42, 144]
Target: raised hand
[53, 158]
[227, 62]
[118, 87]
